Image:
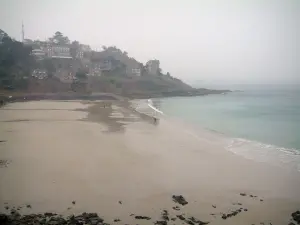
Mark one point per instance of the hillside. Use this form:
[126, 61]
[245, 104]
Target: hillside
[23, 72]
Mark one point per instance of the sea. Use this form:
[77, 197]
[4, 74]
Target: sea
[261, 122]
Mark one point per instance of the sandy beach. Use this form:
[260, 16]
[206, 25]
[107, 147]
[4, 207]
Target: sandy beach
[114, 161]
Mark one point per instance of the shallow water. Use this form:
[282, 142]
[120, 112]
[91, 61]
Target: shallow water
[260, 123]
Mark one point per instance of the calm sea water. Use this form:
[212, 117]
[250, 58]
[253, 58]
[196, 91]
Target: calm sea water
[260, 121]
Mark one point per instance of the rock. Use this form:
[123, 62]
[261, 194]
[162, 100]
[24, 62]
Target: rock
[173, 219]
[243, 194]
[297, 218]
[194, 220]
[117, 220]
[179, 199]
[214, 206]
[295, 213]
[224, 217]
[181, 217]
[261, 200]
[176, 208]
[69, 208]
[50, 219]
[48, 214]
[165, 215]
[161, 222]
[120, 202]
[245, 210]
[131, 214]
[4, 219]
[28, 206]
[142, 218]
[235, 213]
[6, 207]
[73, 202]
[189, 222]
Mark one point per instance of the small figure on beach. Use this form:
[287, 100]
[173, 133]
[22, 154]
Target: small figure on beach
[155, 120]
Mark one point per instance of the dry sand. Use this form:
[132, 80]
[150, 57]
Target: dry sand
[63, 151]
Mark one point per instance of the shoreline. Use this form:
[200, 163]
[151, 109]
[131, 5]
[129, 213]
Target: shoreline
[97, 156]
[249, 148]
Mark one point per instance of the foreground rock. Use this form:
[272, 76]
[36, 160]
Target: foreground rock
[179, 199]
[296, 216]
[50, 218]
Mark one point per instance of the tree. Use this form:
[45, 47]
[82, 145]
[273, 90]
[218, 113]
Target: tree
[49, 66]
[58, 38]
[2, 35]
[74, 48]
[81, 74]
[16, 63]
[159, 71]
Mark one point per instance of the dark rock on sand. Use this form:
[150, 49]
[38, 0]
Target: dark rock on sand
[296, 216]
[245, 210]
[51, 219]
[73, 202]
[117, 220]
[189, 222]
[214, 206]
[120, 202]
[142, 218]
[165, 215]
[181, 217]
[243, 194]
[173, 219]
[28, 206]
[224, 217]
[161, 222]
[261, 200]
[176, 208]
[195, 220]
[179, 199]
[6, 207]
[49, 214]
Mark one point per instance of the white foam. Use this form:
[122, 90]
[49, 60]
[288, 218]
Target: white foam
[150, 104]
[265, 152]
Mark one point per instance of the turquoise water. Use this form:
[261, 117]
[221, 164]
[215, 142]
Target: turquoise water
[267, 116]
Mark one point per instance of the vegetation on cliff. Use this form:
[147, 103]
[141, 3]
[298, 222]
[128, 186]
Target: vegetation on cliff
[17, 65]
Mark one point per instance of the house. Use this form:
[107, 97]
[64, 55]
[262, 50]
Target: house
[81, 50]
[153, 67]
[38, 53]
[133, 67]
[59, 51]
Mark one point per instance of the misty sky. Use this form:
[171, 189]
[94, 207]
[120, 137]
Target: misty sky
[254, 41]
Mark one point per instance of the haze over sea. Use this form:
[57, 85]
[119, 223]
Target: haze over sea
[261, 122]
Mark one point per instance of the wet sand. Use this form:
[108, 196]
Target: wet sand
[57, 152]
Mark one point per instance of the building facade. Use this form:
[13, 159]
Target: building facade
[39, 54]
[153, 67]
